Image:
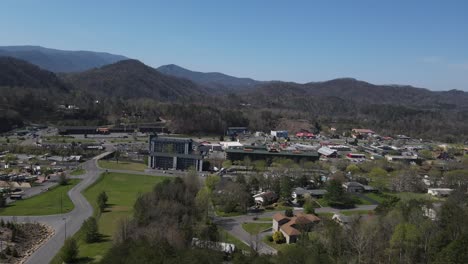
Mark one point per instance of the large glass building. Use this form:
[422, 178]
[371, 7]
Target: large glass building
[173, 153]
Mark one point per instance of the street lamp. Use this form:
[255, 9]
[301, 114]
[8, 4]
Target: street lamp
[65, 220]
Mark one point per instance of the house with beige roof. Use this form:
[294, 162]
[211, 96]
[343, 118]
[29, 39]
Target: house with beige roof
[292, 227]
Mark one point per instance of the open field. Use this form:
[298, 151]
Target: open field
[122, 165]
[47, 203]
[122, 190]
[255, 228]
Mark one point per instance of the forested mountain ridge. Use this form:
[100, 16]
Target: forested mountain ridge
[218, 82]
[19, 73]
[363, 92]
[132, 79]
[60, 60]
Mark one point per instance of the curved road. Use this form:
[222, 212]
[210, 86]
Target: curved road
[65, 225]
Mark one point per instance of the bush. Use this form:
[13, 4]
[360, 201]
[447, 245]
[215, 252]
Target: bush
[309, 207]
[270, 238]
[63, 180]
[278, 237]
[69, 252]
[289, 213]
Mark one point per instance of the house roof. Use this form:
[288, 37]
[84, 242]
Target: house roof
[326, 151]
[363, 130]
[299, 219]
[352, 184]
[279, 216]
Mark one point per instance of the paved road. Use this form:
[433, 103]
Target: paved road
[67, 224]
[233, 225]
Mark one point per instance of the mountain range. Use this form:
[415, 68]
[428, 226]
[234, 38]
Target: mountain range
[132, 79]
[216, 81]
[60, 60]
[208, 102]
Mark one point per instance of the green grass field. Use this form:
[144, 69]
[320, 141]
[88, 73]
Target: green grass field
[405, 196]
[122, 190]
[361, 201]
[46, 203]
[78, 171]
[376, 196]
[122, 165]
[356, 212]
[255, 228]
[223, 214]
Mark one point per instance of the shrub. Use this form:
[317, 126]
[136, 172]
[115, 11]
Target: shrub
[278, 237]
[270, 238]
[289, 213]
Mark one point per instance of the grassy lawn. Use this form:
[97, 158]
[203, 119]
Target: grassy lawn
[356, 212]
[122, 165]
[265, 219]
[79, 171]
[376, 196]
[255, 228]
[224, 236]
[46, 203]
[122, 190]
[405, 196]
[361, 201]
[223, 214]
[325, 215]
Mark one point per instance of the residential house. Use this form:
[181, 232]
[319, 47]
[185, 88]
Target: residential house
[299, 193]
[439, 192]
[292, 227]
[353, 187]
[265, 198]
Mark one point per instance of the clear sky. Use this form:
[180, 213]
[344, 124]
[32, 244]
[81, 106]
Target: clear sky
[421, 43]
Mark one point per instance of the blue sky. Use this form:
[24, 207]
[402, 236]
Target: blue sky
[421, 43]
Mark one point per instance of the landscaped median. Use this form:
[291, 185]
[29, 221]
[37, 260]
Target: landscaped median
[122, 190]
[122, 165]
[52, 201]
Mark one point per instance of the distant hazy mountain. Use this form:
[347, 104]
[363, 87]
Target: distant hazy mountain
[21, 74]
[60, 60]
[133, 79]
[213, 80]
